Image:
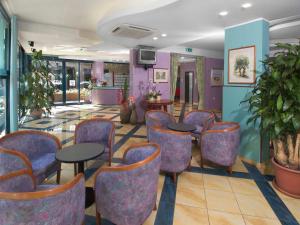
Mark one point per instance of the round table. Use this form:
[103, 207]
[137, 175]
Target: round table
[79, 153]
[158, 104]
[181, 127]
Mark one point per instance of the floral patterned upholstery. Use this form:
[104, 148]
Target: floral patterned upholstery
[158, 118]
[176, 148]
[40, 149]
[220, 144]
[11, 161]
[201, 119]
[97, 131]
[59, 205]
[126, 194]
[17, 181]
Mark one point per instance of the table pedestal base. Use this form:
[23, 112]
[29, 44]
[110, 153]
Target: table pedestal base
[89, 196]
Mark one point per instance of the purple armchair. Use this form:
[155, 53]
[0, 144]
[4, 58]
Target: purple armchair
[220, 144]
[49, 204]
[176, 149]
[39, 148]
[201, 119]
[97, 131]
[158, 118]
[126, 194]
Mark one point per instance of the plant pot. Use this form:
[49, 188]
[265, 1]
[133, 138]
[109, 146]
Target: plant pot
[158, 98]
[133, 116]
[286, 180]
[37, 113]
[125, 112]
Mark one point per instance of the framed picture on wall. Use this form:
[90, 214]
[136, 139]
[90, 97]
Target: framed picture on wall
[216, 77]
[160, 76]
[241, 65]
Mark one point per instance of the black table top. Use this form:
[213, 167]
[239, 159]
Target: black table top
[80, 152]
[181, 127]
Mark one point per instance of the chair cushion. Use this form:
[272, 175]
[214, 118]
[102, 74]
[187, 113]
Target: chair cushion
[41, 164]
[198, 129]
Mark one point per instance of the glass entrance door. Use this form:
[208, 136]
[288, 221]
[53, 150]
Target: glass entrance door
[72, 84]
[56, 73]
[85, 78]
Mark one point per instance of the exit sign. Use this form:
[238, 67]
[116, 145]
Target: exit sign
[188, 49]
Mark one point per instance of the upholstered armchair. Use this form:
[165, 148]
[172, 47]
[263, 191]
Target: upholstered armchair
[201, 119]
[158, 118]
[126, 194]
[176, 149]
[45, 204]
[99, 131]
[220, 144]
[39, 148]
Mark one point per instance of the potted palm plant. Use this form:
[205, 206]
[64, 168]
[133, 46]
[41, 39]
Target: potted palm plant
[36, 88]
[275, 104]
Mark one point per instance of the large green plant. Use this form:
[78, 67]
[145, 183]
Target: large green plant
[275, 103]
[36, 87]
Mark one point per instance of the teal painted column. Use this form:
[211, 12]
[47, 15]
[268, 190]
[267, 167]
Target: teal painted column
[13, 85]
[253, 146]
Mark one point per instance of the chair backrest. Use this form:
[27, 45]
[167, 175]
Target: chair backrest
[126, 194]
[61, 205]
[176, 148]
[95, 131]
[18, 181]
[32, 143]
[220, 143]
[202, 118]
[11, 160]
[158, 118]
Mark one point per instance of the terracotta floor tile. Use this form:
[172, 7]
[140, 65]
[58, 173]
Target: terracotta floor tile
[216, 183]
[191, 197]
[223, 218]
[221, 201]
[250, 220]
[255, 206]
[190, 215]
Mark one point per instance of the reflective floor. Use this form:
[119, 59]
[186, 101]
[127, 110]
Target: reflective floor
[200, 196]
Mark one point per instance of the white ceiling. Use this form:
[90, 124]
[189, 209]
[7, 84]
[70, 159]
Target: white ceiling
[69, 27]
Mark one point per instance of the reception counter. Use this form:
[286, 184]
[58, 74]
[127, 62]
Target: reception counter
[106, 95]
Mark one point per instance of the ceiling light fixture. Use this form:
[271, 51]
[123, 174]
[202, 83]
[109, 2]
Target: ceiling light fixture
[155, 38]
[223, 13]
[164, 35]
[246, 5]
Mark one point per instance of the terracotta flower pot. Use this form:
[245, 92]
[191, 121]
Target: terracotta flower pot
[37, 113]
[286, 180]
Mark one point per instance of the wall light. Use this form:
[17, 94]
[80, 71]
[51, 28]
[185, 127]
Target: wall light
[223, 13]
[246, 5]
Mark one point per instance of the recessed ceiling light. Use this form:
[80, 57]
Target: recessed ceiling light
[182, 57]
[223, 13]
[246, 5]
[155, 38]
[164, 35]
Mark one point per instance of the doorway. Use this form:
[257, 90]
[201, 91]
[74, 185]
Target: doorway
[189, 84]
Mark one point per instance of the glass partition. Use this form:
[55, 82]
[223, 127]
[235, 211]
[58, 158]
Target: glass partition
[56, 73]
[72, 87]
[85, 78]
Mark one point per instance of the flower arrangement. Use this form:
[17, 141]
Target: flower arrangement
[153, 93]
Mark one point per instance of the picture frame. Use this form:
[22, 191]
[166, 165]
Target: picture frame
[216, 77]
[160, 75]
[242, 65]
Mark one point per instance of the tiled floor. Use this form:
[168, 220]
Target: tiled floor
[201, 196]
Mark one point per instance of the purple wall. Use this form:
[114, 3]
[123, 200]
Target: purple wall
[139, 80]
[213, 95]
[188, 67]
[98, 70]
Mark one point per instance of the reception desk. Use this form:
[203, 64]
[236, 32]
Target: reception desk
[106, 95]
